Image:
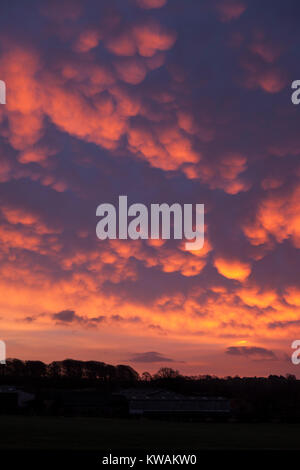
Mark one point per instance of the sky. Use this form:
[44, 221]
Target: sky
[164, 101]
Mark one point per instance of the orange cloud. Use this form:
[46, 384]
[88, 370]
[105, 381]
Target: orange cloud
[233, 268]
[224, 173]
[277, 216]
[292, 295]
[163, 146]
[266, 50]
[131, 70]
[167, 259]
[186, 122]
[270, 78]
[88, 100]
[272, 182]
[87, 40]
[122, 44]
[146, 38]
[151, 37]
[272, 81]
[253, 296]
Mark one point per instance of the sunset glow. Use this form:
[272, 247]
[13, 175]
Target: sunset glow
[163, 103]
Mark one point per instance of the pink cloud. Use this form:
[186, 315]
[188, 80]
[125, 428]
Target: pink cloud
[229, 10]
[149, 4]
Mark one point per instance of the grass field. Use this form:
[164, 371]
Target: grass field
[18, 432]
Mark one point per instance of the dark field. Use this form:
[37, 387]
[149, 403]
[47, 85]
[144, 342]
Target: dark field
[18, 432]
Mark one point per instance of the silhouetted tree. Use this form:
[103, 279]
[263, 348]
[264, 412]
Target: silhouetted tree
[166, 373]
[15, 367]
[94, 370]
[146, 377]
[54, 369]
[72, 369]
[35, 369]
[126, 374]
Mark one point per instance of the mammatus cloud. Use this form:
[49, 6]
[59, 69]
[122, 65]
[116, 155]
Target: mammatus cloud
[229, 10]
[277, 216]
[233, 269]
[102, 102]
[146, 39]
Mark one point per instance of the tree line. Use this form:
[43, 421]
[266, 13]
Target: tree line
[67, 369]
[273, 397]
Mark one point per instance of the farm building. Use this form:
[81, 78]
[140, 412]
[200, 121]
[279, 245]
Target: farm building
[162, 403]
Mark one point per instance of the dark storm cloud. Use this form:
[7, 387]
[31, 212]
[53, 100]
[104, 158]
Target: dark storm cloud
[70, 317]
[253, 352]
[150, 356]
[119, 318]
[284, 324]
[66, 316]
